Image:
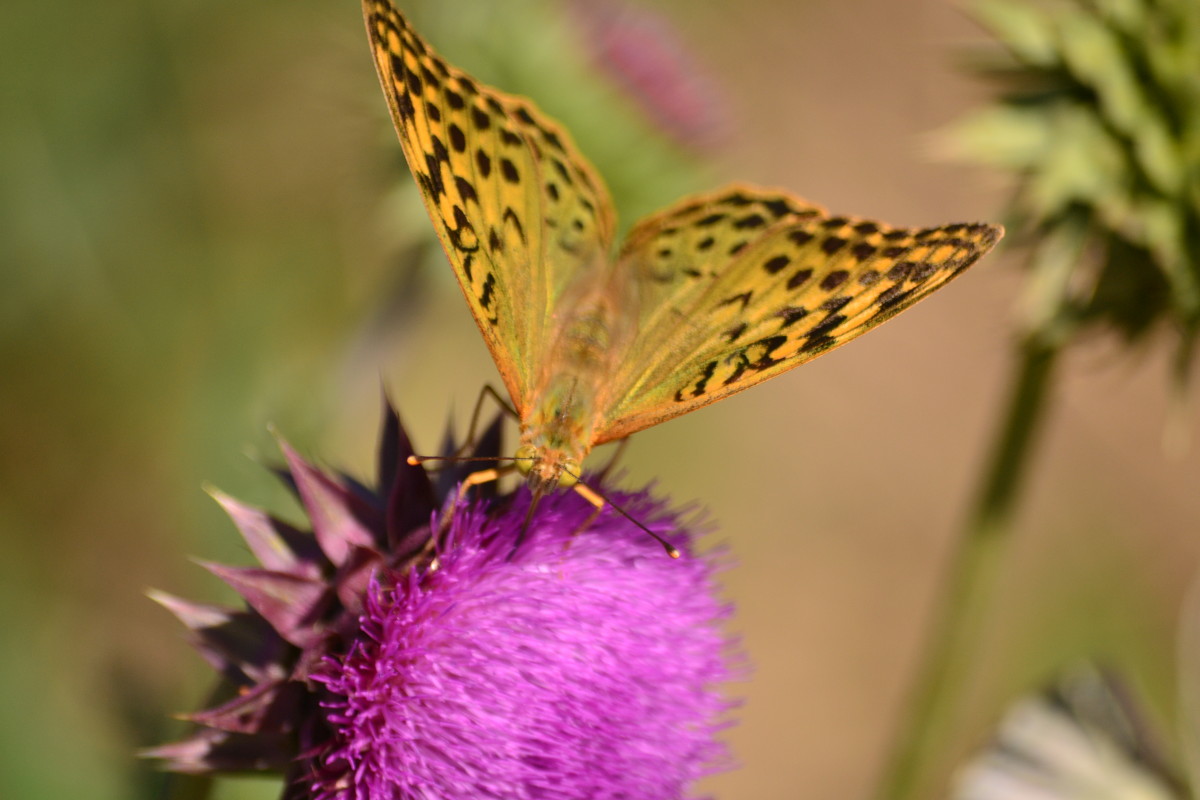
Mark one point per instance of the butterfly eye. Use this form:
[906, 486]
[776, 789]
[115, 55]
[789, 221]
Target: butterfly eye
[570, 474]
[525, 458]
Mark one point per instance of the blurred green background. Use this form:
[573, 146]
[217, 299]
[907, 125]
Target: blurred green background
[206, 226]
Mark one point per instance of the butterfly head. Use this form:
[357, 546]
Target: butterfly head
[546, 470]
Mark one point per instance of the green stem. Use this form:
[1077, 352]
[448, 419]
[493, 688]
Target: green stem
[944, 673]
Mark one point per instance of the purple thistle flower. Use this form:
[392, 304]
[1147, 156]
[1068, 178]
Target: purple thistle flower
[586, 663]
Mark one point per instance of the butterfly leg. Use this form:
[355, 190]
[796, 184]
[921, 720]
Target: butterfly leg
[477, 478]
[471, 441]
[473, 428]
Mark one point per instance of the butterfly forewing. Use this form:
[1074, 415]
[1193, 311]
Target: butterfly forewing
[518, 210]
[746, 283]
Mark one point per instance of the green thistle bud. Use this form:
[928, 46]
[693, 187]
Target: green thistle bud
[1098, 119]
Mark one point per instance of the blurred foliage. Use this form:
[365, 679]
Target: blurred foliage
[189, 199]
[1098, 118]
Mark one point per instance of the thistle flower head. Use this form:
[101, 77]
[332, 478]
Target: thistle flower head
[1098, 119]
[583, 663]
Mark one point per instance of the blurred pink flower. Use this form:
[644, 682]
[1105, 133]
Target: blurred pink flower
[641, 52]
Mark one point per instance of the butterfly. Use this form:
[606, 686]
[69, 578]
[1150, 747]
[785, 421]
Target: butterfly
[703, 299]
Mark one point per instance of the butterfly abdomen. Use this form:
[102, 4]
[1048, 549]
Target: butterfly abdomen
[570, 395]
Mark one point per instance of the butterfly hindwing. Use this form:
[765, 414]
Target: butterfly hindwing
[520, 213]
[744, 284]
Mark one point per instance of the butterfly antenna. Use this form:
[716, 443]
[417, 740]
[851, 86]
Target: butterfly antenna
[598, 499]
[415, 460]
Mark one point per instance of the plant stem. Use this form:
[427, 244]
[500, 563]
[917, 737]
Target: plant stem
[944, 672]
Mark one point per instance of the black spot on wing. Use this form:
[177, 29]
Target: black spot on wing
[734, 333]
[892, 295]
[775, 264]
[700, 386]
[438, 148]
[750, 222]
[404, 106]
[799, 279]
[812, 343]
[467, 85]
[790, 315]
[462, 235]
[486, 293]
[756, 356]
[509, 170]
[466, 189]
[434, 184]
[413, 81]
[778, 206]
[862, 251]
[834, 279]
[826, 325]
[833, 244]
[922, 271]
[458, 140]
[743, 298]
[563, 172]
[552, 139]
[512, 219]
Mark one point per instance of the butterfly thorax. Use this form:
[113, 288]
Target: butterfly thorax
[559, 429]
